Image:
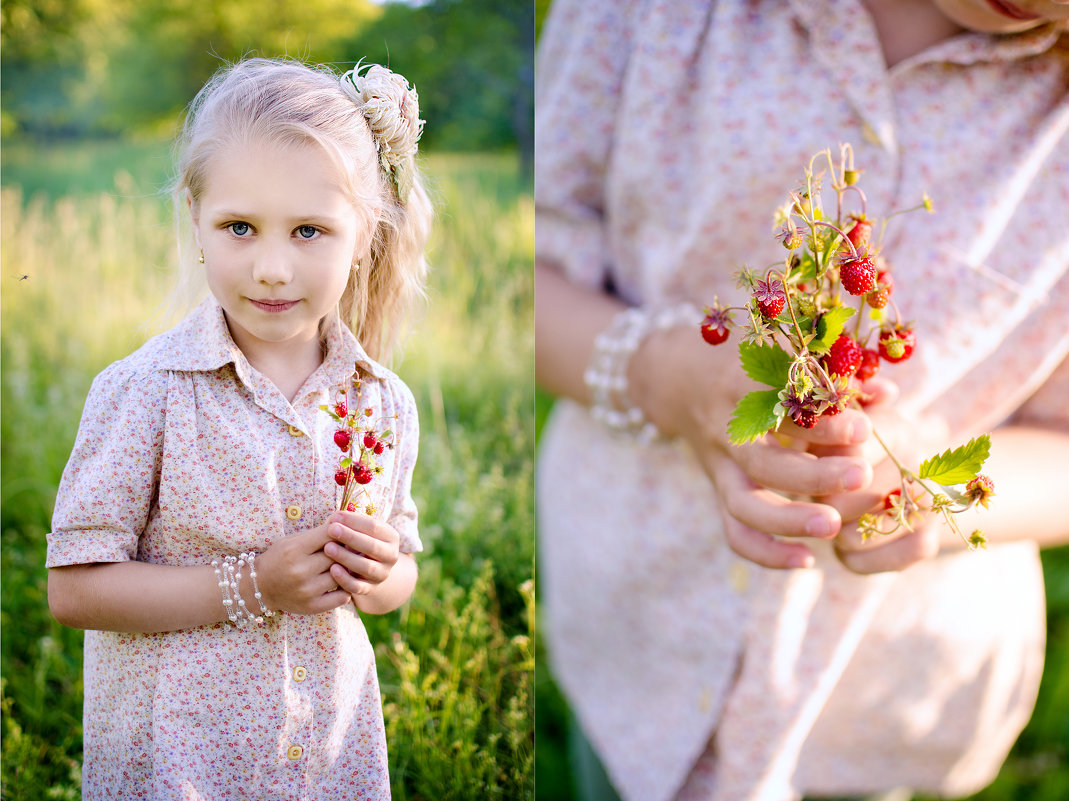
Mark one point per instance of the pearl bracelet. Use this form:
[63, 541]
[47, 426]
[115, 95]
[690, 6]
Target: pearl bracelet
[228, 577]
[606, 376]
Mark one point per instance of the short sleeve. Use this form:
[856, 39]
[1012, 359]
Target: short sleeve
[582, 57]
[111, 479]
[404, 517]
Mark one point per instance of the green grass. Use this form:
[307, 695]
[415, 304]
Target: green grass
[86, 226]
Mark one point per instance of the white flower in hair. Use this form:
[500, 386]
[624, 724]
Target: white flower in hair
[391, 107]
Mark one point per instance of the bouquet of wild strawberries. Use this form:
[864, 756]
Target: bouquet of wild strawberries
[814, 347]
[361, 443]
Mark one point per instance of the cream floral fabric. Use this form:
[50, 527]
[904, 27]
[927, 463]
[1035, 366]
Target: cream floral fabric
[667, 132]
[185, 453]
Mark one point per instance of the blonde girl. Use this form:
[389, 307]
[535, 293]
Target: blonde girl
[197, 535]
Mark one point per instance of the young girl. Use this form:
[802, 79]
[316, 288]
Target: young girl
[196, 534]
[698, 664]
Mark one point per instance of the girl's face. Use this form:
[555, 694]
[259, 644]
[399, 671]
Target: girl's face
[1004, 16]
[279, 236]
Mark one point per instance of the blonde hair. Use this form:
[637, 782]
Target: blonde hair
[286, 102]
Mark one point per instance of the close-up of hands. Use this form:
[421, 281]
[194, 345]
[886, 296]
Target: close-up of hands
[322, 568]
[797, 483]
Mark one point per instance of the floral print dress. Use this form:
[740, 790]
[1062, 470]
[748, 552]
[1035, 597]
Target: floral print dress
[187, 454]
[667, 134]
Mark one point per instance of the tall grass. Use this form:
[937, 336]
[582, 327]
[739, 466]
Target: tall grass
[82, 272]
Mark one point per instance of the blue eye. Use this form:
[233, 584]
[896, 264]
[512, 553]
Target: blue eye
[307, 231]
[238, 228]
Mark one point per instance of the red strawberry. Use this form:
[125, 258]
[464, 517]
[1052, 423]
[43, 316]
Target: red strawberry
[897, 345]
[870, 364]
[342, 438]
[350, 507]
[369, 440]
[879, 297]
[860, 232]
[713, 329]
[379, 448]
[341, 476]
[341, 409]
[806, 418]
[844, 358]
[770, 298]
[363, 475]
[858, 275]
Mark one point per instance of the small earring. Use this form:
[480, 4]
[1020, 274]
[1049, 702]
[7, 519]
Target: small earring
[356, 266]
[201, 259]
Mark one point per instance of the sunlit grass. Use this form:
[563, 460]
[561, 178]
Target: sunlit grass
[82, 274]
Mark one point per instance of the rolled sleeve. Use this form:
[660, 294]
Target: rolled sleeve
[582, 57]
[108, 486]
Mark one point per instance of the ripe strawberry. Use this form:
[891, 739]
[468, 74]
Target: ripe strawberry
[342, 438]
[860, 232]
[770, 298]
[879, 297]
[341, 409]
[870, 364]
[896, 345]
[341, 476]
[806, 418]
[858, 275]
[369, 440]
[844, 358]
[363, 475]
[379, 448]
[714, 331]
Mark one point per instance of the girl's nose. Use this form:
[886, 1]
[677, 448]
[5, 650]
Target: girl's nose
[271, 266]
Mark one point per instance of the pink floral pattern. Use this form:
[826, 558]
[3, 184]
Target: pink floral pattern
[185, 453]
[667, 132]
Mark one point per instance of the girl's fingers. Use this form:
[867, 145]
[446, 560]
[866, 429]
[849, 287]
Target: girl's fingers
[898, 554]
[764, 549]
[849, 427]
[357, 564]
[771, 465]
[350, 583]
[377, 545]
[765, 511]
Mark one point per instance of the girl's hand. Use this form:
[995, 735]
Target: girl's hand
[689, 389]
[909, 440]
[295, 575]
[364, 551]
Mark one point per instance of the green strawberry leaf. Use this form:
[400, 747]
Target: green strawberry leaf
[754, 416]
[829, 327]
[765, 364]
[957, 465]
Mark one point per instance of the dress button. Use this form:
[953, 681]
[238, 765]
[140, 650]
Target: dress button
[295, 752]
[300, 673]
[295, 432]
[293, 512]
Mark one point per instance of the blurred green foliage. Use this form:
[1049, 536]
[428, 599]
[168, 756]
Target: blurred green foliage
[77, 68]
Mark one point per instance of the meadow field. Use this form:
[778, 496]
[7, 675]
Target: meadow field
[87, 247]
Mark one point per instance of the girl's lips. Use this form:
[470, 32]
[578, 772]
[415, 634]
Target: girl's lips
[273, 305]
[1011, 11]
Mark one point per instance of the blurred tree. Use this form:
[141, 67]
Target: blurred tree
[473, 64]
[108, 67]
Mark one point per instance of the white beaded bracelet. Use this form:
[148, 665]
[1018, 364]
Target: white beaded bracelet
[606, 376]
[228, 577]
[250, 557]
